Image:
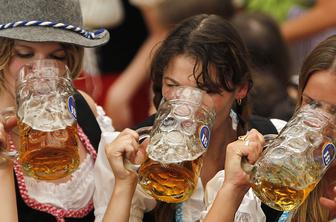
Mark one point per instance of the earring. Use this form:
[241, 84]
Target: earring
[239, 101]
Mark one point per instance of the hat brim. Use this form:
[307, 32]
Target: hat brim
[49, 34]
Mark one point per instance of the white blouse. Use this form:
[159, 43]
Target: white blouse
[73, 194]
[194, 209]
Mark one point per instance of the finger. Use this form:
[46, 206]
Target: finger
[328, 203]
[251, 145]
[10, 123]
[255, 136]
[131, 132]
[252, 151]
[2, 137]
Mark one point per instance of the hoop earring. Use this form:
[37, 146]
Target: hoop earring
[239, 101]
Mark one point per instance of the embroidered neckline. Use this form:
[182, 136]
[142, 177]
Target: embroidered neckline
[59, 213]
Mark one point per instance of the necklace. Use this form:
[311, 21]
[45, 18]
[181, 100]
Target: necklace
[59, 213]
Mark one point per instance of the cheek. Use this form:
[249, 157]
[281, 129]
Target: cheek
[165, 90]
[222, 108]
[222, 104]
[14, 66]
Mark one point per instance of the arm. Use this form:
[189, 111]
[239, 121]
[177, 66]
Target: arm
[120, 94]
[125, 146]
[317, 19]
[8, 209]
[120, 203]
[236, 182]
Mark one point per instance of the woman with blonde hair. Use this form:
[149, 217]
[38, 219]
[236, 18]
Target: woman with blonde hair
[33, 30]
[317, 82]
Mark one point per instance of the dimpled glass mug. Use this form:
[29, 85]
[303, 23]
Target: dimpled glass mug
[177, 141]
[47, 123]
[295, 160]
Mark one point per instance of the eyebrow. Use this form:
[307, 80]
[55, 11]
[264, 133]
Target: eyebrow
[170, 79]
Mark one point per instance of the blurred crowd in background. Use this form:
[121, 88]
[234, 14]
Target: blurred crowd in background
[278, 34]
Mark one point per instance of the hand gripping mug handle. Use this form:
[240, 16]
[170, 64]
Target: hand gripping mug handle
[144, 133]
[5, 153]
[245, 165]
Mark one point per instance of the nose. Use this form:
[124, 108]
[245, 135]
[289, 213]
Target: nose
[41, 56]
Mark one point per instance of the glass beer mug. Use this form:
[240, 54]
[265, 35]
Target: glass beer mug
[295, 160]
[47, 124]
[177, 141]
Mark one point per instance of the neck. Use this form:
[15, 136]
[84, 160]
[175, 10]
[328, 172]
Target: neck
[214, 158]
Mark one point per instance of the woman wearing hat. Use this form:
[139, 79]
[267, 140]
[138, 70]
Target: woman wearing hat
[39, 29]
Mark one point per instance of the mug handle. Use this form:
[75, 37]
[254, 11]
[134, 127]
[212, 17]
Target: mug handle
[245, 165]
[144, 133]
[5, 153]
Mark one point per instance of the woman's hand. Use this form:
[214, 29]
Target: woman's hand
[236, 181]
[125, 146]
[329, 203]
[250, 147]
[8, 210]
[7, 122]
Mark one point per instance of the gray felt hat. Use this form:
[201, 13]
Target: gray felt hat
[47, 21]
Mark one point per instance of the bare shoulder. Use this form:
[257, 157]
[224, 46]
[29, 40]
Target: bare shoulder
[90, 101]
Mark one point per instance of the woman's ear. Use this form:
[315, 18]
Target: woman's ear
[241, 91]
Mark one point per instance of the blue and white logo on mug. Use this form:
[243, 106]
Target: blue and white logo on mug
[205, 136]
[72, 106]
[328, 153]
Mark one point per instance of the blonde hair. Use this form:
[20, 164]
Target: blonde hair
[74, 58]
[322, 58]
[311, 209]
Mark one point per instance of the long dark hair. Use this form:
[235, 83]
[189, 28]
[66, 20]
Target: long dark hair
[213, 42]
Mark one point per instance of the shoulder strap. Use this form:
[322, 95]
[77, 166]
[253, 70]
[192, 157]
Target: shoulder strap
[263, 125]
[87, 120]
[147, 122]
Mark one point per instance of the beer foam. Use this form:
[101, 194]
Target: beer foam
[45, 116]
[174, 147]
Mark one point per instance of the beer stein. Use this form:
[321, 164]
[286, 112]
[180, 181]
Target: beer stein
[177, 141]
[294, 161]
[47, 124]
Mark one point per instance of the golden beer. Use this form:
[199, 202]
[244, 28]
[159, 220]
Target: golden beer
[48, 155]
[177, 142]
[173, 182]
[282, 198]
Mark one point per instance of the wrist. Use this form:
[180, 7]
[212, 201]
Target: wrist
[124, 188]
[127, 183]
[237, 192]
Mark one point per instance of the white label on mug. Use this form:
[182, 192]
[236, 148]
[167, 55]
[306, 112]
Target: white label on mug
[72, 106]
[205, 136]
[328, 153]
